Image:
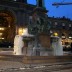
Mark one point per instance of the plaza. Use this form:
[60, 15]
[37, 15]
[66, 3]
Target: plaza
[32, 41]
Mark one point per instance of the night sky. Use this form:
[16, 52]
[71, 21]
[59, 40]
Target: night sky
[63, 10]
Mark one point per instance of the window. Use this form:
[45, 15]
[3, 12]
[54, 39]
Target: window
[55, 23]
[63, 25]
[69, 25]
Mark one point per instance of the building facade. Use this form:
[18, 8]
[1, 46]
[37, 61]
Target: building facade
[62, 27]
[14, 17]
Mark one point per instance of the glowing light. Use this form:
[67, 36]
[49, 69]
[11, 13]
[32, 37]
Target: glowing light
[25, 31]
[22, 31]
[0, 34]
[1, 28]
[9, 26]
[55, 34]
[1, 38]
[70, 37]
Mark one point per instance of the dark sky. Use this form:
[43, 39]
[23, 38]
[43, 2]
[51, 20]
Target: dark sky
[63, 10]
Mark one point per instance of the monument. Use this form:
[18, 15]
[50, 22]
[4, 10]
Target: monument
[38, 24]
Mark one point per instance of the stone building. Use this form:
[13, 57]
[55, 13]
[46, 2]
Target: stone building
[14, 17]
[63, 28]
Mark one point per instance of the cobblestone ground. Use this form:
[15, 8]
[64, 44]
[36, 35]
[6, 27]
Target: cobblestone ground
[10, 66]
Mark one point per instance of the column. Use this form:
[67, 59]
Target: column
[40, 3]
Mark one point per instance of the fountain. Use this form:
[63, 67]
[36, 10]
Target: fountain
[19, 44]
[57, 46]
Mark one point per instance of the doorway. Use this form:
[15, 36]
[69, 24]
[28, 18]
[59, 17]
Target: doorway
[7, 29]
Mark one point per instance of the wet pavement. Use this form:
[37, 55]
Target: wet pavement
[16, 66]
[10, 66]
